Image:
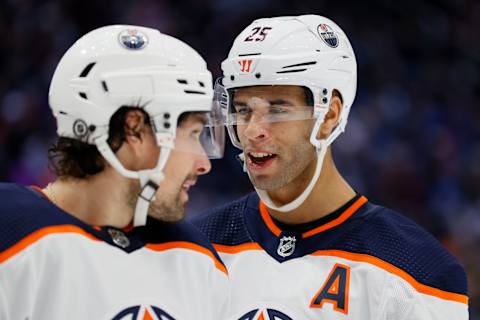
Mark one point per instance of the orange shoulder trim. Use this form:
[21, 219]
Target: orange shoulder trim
[39, 234]
[189, 246]
[424, 289]
[238, 248]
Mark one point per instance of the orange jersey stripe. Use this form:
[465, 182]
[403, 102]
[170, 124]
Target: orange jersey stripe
[359, 257]
[397, 271]
[189, 246]
[268, 220]
[237, 248]
[341, 219]
[37, 235]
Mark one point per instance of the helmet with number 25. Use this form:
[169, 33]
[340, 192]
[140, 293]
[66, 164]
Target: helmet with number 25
[309, 51]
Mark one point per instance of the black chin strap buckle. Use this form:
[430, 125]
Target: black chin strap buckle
[148, 191]
[240, 158]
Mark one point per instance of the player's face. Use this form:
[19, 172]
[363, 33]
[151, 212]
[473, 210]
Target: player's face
[276, 153]
[185, 163]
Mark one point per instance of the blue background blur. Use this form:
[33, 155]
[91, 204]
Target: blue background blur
[413, 138]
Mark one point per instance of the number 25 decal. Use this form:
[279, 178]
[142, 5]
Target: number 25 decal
[258, 34]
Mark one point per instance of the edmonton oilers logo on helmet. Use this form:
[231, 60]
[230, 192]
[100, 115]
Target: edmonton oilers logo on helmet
[132, 39]
[265, 314]
[328, 35]
[143, 313]
[286, 246]
[80, 128]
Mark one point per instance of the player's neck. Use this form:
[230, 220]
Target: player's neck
[97, 200]
[329, 193]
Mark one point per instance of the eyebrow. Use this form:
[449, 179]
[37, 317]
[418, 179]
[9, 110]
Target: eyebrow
[272, 102]
[281, 101]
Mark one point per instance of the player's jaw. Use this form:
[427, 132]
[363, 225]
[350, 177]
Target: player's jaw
[274, 167]
[264, 165]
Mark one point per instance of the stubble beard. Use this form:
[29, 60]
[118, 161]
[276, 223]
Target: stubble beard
[290, 166]
[167, 208]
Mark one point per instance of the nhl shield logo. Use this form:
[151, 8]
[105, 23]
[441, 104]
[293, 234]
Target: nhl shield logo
[328, 35]
[286, 247]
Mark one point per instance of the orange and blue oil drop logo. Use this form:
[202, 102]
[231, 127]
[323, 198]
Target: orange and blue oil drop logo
[143, 313]
[265, 314]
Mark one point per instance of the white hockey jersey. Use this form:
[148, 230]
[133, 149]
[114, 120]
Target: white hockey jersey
[54, 266]
[360, 262]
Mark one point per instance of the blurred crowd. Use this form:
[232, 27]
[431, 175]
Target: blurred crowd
[413, 139]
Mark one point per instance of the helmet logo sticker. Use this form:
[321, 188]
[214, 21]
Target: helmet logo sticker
[80, 128]
[245, 65]
[133, 39]
[328, 35]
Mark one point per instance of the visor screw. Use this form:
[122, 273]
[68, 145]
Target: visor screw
[232, 77]
[166, 125]
[325, 100]
[91, 128]
[325, 91]
[166, 115]
[257, 75]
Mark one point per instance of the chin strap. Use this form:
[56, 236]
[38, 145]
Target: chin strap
[149, 179]
[263, 194]
[321, 147]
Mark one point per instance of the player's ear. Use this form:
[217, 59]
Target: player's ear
[331, 118]
[134, 126]
[134, 133]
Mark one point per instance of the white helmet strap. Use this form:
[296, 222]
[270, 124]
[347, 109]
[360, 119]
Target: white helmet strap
[149, 179]
[321, 146]
[297, 202]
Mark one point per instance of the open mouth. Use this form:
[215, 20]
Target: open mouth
[260, 159]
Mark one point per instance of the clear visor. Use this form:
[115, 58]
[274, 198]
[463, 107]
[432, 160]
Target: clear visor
[200, 133]
[262, 106]
[267, 104]
[244, 115]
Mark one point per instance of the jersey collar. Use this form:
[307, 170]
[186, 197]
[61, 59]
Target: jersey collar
[330, 221]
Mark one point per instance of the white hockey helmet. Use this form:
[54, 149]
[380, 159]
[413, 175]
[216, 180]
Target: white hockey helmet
[309, 51]
[123, 65]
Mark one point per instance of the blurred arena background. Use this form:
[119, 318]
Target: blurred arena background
[413, 139]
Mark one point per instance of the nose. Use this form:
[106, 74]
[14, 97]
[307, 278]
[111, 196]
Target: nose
[202, 165]
[253, 130]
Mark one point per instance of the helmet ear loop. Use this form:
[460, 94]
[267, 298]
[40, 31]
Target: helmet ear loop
[320, 111]
[150, 179]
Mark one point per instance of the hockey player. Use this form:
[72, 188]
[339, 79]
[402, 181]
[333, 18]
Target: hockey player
[135, 124]
[306, 245]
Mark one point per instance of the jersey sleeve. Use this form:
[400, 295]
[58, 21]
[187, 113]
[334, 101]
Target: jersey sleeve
[3, 304]
[404, 302]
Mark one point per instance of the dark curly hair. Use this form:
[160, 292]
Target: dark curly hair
[73, 158]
